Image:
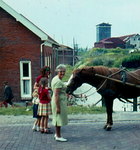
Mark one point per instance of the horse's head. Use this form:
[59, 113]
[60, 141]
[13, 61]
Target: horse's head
[74, 82]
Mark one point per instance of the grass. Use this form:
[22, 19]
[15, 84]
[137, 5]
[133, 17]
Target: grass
[71, 110]
[16, 111]
[86, 110]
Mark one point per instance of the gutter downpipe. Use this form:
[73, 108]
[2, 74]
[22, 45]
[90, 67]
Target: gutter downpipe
[41, 48]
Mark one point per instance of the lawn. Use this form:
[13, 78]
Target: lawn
[71, 110]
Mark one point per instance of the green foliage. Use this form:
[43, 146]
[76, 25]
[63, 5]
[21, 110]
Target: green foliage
[78, 64]
[135, 57]
[69, 70]
[85, 110]
[132, 58]
[118, 63]
[97, 62]
[106, 57]
[82, 53]
[109, 63]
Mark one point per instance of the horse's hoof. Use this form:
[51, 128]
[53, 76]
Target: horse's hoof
[108, 128]
[105, 126]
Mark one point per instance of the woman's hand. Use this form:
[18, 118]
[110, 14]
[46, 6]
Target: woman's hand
[48, 88]
[58, 110]
[67, 95]
[56, 94]
[36, 85]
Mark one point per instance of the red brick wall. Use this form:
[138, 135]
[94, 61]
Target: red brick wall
[16, 43]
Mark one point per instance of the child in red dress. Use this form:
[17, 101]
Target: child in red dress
[44, 108]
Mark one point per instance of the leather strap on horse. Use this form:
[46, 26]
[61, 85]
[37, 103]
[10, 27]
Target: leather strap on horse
[110, 75]
[116, 80]
[123, 76]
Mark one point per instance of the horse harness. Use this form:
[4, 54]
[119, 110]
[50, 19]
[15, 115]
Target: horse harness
[107, 90]
[122, 78]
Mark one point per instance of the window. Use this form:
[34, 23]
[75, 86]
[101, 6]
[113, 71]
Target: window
[25, 79]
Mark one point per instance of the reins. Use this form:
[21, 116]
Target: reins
[85, 96]
[134, 76]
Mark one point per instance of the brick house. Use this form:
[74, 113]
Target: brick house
[24, 50]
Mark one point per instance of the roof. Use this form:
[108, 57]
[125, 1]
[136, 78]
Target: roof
[103, 24]
[108, 42]
[126, 37]
[23, 20]
[62, 47]
[111, 41]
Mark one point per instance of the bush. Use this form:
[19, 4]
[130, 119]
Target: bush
[69, 70]
[118, 63]
[78, 64]
[97, 62]
[132, 58]
[108, 63]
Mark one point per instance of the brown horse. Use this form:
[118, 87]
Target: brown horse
[109, 89]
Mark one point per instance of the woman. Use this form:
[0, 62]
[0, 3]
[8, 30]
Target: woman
[44, 72]
[59, 102]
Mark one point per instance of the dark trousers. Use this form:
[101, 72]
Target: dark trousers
[9, 101]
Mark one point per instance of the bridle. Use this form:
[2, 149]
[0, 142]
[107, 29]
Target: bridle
[78, 76]
[76, 84]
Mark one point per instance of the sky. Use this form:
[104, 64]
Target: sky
[65, 20]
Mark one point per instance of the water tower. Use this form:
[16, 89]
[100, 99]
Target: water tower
[103, 31]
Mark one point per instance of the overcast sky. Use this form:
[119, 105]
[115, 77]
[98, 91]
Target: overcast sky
[64, 20]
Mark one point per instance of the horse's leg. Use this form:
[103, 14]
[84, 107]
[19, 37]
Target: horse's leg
[109, 109]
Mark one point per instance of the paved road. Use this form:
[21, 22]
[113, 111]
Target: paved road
[84, 132]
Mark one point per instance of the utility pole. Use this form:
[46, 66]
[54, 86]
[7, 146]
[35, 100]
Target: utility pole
[73, 50]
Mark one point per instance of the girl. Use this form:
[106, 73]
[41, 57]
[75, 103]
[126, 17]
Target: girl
[35, 101]
[44, 109]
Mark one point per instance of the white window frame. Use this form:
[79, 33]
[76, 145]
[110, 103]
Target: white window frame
[22, 79]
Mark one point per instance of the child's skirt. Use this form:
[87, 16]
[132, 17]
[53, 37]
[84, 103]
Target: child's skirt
[44, 109]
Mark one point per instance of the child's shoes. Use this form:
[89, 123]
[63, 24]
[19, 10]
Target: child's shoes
[38, 128]
[34, 127]
[47, 131]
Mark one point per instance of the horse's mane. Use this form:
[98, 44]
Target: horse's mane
[97, 69]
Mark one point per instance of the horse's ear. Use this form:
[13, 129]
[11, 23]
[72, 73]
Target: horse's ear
[82, 70]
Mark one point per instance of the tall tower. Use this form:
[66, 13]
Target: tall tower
[103, 31]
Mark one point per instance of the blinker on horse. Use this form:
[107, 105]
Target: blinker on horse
[109, 83]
